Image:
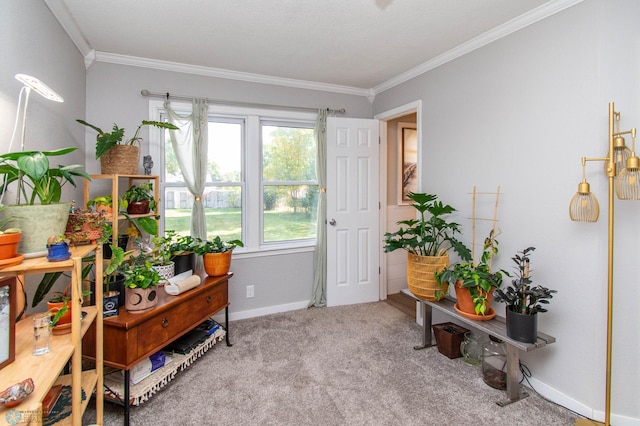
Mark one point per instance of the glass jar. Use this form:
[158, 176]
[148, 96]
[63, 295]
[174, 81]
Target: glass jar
[494, 363]
[471, 348]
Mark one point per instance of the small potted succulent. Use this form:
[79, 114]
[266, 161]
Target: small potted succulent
[216, 255]
[523, 300]
[58, 248]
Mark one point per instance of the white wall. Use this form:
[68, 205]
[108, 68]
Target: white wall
[32, 42]
[520, 113]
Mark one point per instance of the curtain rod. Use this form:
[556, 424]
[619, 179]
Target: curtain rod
[167, 95]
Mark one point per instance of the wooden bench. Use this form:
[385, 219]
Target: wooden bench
[495, 327]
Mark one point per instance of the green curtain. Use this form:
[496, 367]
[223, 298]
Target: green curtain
[190, 146]
[319, 295]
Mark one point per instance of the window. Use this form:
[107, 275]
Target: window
[289, 184]
[261, 184]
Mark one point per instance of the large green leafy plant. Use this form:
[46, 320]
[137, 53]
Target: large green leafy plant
[107, 140]
[37, 180]
[430, 234]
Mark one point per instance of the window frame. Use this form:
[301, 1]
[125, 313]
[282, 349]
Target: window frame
[251, 176]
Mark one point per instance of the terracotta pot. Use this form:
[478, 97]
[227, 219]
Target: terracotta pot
[138, 207]
[464, 305]
[54, 307]
[9, 245]
[140, 299]
[105, 210]
[216, 264]
[84, 227]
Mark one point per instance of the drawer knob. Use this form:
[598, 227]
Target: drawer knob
[165, 323]
[208, 298]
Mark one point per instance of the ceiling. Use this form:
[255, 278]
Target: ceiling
[358, 44]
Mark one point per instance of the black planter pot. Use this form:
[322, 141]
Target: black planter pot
[522, 327]
[117, 285]
[123, 242]
[184, 262]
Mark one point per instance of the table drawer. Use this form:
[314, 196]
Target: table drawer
[170, 324]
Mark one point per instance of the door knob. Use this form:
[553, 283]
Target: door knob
[332, 222]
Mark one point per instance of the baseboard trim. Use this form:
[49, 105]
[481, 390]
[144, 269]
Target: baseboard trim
[252, 313]
[580, 408]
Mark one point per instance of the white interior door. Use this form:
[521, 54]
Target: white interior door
[353, 211]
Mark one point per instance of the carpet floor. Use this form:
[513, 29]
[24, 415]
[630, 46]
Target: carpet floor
[349, 365]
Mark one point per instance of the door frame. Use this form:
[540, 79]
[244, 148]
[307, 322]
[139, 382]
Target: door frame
[383, 117]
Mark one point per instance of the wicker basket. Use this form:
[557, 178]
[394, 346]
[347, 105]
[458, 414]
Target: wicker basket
[120, 160]
[421, 278]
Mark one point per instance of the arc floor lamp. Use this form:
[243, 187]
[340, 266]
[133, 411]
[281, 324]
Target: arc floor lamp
[584, 208]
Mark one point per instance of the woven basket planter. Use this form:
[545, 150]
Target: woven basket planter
[421, 277]
[120, 160]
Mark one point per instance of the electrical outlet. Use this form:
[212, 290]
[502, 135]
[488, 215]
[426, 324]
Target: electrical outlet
[250, 291]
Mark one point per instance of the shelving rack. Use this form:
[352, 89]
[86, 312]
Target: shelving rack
[115, 194]
[46, 370]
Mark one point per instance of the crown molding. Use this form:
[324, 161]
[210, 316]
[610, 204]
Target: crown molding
[522, 21]
[222, 73]
[91, 56]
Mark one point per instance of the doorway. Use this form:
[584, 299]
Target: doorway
[393, 266]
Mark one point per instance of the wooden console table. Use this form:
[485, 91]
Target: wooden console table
[131, 337]
[495, 327]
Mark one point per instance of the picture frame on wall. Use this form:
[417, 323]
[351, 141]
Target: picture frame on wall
[7, 321]
[407, 161]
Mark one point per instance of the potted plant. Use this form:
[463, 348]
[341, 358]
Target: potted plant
[523, 300]
[37, 182]
[9, 242]
[118, 155]
[140, 281]
[138, 199]
[161, 256]
[427, 240]
[58, 248]
[216, 255]
[182, 251]
[102, 203]
[59, 306]
[475, 282]
[84, 226]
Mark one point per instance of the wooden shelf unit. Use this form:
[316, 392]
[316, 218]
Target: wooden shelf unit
[115, 194]
[45, 370]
